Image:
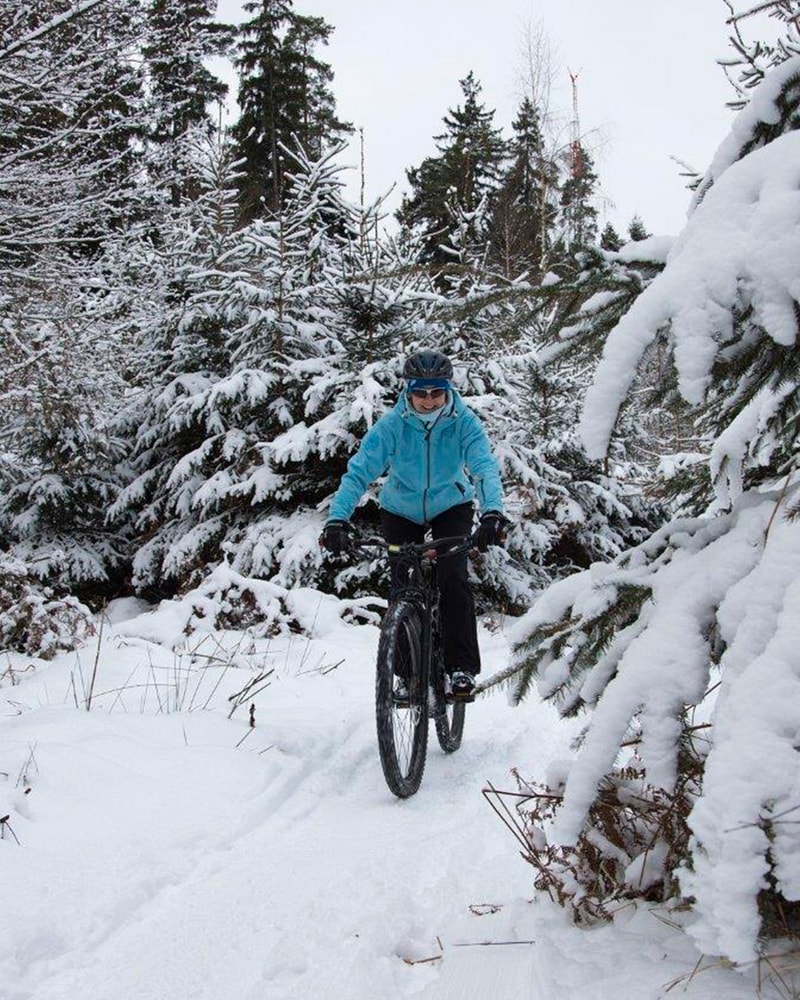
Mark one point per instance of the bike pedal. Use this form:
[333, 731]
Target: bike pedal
[464, 697]
[401, 698]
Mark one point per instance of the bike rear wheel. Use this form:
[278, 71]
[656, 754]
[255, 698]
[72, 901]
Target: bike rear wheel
[402, 723]
[450, 725]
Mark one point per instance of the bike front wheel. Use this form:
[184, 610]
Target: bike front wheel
[401, 700]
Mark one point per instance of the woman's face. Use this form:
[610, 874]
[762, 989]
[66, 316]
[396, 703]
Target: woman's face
[428, 400]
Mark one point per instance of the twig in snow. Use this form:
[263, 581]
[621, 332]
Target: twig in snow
[484, 909]
[767, 819]
[96, 662]
[778, 502]
[253, 687]
[488, 944]
[506, 816]
[689, 976]
[30, 761]
[5, 825]
[433, 958]
[246, 734]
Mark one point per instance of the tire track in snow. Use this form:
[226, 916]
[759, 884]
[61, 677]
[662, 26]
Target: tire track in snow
[323, 883]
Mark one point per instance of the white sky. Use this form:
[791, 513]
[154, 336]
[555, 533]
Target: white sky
[649, 85]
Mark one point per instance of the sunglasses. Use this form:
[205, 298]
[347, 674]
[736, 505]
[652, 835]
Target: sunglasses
[428, 393]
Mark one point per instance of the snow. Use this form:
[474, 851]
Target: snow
[739, 248]
[764, 107]
[653, 248]
[752, 773]
[156, 848]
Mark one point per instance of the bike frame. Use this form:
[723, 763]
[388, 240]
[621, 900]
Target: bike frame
[412, 617]
[422, 590]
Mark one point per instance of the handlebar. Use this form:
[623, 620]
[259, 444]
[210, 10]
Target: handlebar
[453, 544]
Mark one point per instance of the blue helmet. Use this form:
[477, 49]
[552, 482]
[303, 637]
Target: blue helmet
[428, 365]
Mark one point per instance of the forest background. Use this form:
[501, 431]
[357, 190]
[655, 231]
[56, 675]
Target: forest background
[198, 327]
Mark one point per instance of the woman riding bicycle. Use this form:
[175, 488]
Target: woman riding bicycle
[436, 456]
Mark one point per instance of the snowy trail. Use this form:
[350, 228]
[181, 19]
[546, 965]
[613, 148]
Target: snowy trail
[305, 877]
[158, 861]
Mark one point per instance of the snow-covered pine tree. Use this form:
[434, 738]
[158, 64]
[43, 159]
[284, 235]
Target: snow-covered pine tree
[60, 378]
[72, 115]
[180, 37]
[637, 229]
[182, 332]
[288, 336]
[684, 648]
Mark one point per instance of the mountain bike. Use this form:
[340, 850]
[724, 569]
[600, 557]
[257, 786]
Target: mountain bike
[410, 683]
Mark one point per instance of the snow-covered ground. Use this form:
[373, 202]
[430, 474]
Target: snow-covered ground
[157, 850]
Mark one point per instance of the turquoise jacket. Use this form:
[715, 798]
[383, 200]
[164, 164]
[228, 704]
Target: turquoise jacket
[429, 467]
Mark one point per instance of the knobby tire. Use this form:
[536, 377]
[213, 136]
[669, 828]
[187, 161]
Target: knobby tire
[402, 729]
[450, 726]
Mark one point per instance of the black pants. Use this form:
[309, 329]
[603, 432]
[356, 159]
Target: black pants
[459, 627]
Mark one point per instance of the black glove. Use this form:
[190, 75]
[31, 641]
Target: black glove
[336, 537]
[491, 530]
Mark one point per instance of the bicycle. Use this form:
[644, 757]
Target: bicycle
[411, 684]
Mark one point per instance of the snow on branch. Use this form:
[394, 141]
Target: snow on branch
[737, 252]
[51, 25]
[712, 598]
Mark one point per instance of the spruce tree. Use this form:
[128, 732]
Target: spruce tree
[218, 465]
[637, 230]
[526, 206]
[459, 183]
[578, 221]
[180, 36]
[610, 238]
[285, 97]
[184, 332]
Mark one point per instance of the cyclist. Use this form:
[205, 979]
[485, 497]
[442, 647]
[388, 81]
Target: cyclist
[436, 456]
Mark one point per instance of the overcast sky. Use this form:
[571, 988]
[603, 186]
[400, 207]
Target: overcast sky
[648, 84]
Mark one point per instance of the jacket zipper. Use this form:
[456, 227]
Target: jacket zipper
[425, 491]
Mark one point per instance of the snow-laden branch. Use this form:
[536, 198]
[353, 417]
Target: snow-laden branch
[51, 25]
[738, 250]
